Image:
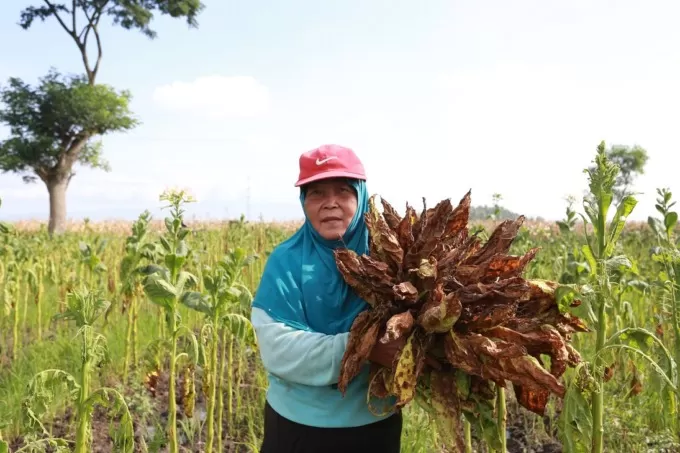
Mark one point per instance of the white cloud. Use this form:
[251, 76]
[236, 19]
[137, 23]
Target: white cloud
[216, 96]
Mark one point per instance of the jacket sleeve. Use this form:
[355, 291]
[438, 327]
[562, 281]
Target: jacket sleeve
[308, 358]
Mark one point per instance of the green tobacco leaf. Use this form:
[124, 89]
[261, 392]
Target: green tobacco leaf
[4, 448]
[575, 422]
[151, 269]
[196, 301]
[619, 222]
[670, 221]
[565, 296]
[239, 326]
[590, 258]
[159, 290]
[173, 261]
[618, 261]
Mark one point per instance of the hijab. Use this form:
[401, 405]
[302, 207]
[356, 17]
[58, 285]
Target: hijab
[301, 285]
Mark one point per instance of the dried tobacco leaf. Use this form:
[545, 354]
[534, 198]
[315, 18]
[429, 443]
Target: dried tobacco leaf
[473, 310]
[405, 291]
[362, 338]
[440, 312]
[405, 228]
[391, 215]
[384, 245]
[404, 376]
[398, 326]
[408, 367]
[369, 278]
[446, 404]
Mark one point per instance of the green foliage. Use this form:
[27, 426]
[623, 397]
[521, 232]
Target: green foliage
[128, 14]
[630, 161]
[51, 124]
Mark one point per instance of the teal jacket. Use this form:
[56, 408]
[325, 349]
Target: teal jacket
[303, 369]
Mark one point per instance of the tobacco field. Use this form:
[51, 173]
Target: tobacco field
[135, 337]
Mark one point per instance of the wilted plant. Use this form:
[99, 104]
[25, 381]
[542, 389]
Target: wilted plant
[84, 307]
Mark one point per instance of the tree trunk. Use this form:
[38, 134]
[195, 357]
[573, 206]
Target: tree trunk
[56, 187]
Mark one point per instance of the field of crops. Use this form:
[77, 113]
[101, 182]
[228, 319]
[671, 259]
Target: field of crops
[95, 321]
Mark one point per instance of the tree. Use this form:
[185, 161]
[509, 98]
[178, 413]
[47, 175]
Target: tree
[50, 130]
[51, 126]
[631, 162]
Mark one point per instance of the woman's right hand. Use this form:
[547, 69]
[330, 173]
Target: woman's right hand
[384, 354]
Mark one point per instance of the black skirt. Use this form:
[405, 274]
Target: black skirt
[285, 436]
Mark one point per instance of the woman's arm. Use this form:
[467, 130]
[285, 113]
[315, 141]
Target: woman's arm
[308, 358]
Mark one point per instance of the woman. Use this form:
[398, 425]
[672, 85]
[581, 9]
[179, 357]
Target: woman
[302, 313]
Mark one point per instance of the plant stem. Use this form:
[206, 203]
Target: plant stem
[82, 434]
[172, 403]
[468, 436]
[128, 343]
[598, 395]
[220, 393]
[15, 328]
[501, 414]
[210, 418]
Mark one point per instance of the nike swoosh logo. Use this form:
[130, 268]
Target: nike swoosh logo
[323, 161]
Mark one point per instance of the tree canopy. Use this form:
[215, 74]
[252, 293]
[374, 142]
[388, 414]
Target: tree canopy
[51, 124]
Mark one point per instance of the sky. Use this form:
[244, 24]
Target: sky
[436, 97]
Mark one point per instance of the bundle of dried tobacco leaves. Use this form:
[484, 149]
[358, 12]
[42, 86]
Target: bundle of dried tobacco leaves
[447, 296]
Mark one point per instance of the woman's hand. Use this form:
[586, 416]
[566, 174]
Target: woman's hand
[385, 353]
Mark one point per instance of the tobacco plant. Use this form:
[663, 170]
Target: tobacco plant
[84, 307]
[168, 285]
[586, 388]
[668, 256]
[224, 288]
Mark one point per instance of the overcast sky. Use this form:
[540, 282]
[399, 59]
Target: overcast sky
[435, 96]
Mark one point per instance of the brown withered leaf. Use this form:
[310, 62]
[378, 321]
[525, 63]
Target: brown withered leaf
[448, 264]
[363, 336]
[352, 279]
[509, 362]
[405, 228]
[377, 386]
[409, 365]
[370, 279]
[499, 242]
[545, 340]
[532, 398]
[398, 326]
[447, 407]
[390, 214]
[509, 289]
[426, 274]
[440, 312]
[458, 220]
[384, 245]
[430, 234]
[485, 314]
[507, 266]
[406, 292]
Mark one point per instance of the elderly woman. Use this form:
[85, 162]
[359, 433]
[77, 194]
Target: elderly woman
[302, 313]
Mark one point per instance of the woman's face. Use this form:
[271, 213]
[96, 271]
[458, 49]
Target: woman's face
[330, 206]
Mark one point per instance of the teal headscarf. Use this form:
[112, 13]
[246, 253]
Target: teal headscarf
[301, 285]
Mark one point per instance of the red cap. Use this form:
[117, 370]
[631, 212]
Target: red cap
[329, 161]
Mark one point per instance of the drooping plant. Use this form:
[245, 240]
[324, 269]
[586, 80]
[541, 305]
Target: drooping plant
[84, 307]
